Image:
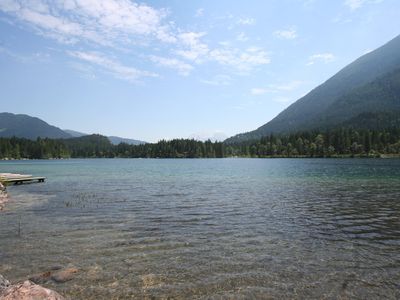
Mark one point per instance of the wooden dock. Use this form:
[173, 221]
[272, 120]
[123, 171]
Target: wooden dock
[10, 178]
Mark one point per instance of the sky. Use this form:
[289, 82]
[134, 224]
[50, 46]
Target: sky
[154, 69]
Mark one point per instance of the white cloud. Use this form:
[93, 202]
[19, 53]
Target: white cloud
[101, 22]
[277, 88]
[320, 57]
[9, 6]
[193, 48]
[241, 60]
[117, 69]
[356, 4]
[121, 24]
[199, 12]
[216, 136]
[241, 37]
[287, 34]
[173, 63]
[246, 21]
[218, 80]
[258, 91]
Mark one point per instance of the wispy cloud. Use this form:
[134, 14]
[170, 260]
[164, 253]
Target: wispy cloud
[246, 21]
[258, 91]
[118, 26]
[356, 4]
[241, 37]
[287, 34]
[117, 69]
[192, 47]
[320, 57]
[101, 22]
[36, 57]
[277, 88]
[199, 52]
[173, 63]
[242, 60]
[199, 12]
[218, 80]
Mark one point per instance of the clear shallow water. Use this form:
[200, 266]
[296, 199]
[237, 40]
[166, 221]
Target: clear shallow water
[215, 228]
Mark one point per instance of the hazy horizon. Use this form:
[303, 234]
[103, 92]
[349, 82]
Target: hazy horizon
[151, 70]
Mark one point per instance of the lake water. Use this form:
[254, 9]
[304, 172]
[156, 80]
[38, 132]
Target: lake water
[212, 228]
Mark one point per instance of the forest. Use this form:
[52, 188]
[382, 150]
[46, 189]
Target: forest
[343, 142]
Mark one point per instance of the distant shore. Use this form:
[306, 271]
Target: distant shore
[342, 156]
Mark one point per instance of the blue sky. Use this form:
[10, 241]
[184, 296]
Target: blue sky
[165, 69]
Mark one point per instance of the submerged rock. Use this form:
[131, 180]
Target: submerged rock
[64, 275]
[28, 291]
[56, 274]
[41, 277]
[3, 196]
[3, 200]
[4, 283]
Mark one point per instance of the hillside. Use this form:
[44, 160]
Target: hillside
[24, 126]
[28, 127]
[74, 133]
[116, 140]
[370, 84]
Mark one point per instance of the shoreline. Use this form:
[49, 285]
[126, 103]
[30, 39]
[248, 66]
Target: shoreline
[26, 290]
[337, 156]
[3, 196]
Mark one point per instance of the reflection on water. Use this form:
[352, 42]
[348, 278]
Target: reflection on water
[228, 228]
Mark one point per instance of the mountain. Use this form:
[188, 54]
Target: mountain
[28, 127]
[115, 140]
[74, 133]
[357, 96]
[24, 126]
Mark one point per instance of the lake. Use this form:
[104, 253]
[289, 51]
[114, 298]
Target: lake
[208, 228]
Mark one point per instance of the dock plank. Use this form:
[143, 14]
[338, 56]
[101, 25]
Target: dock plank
[9, 178]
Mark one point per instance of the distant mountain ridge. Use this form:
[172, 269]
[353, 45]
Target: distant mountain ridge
[28, 127]
[74, 133]
[24, 126]
[116, 140]
[370, 86]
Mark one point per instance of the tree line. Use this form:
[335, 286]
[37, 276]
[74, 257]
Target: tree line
[333, 143]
